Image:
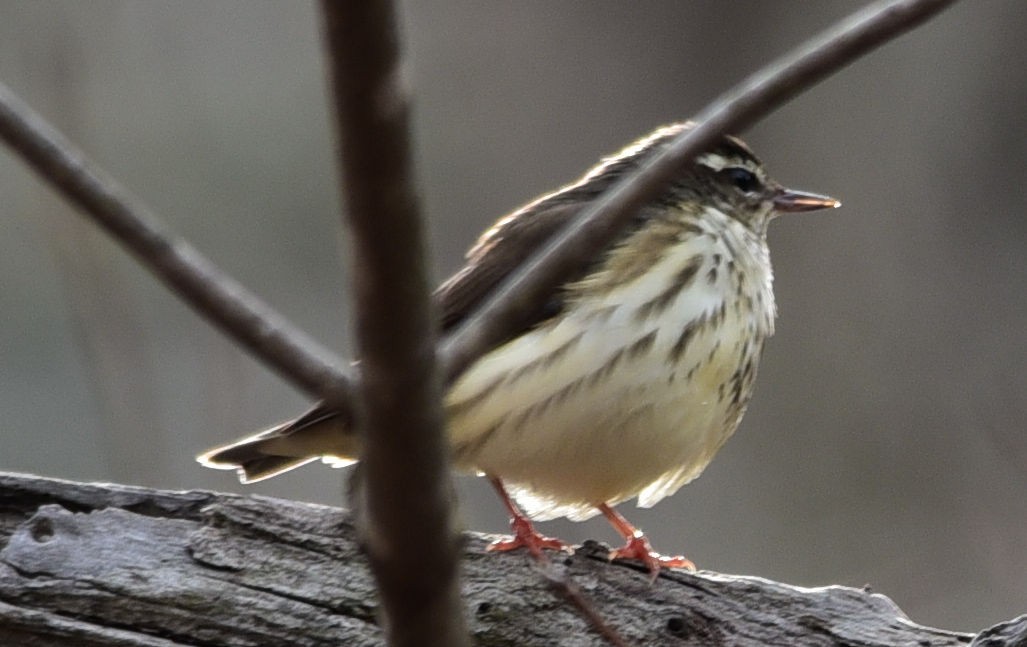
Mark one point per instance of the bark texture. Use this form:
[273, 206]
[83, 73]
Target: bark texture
[101, 564]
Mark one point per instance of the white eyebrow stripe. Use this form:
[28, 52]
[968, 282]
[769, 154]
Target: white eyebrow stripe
[714, 161]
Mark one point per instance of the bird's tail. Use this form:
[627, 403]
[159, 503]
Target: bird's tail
[319, 434]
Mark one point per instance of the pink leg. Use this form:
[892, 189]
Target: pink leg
[525, 534]
[638, 546]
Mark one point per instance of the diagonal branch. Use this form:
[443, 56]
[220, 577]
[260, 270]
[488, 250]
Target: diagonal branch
[405, 508]
[211, 293]
[739, 108]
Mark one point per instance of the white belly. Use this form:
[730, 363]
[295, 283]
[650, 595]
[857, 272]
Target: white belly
[607, 403]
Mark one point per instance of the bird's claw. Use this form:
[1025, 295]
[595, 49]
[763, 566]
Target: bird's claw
[638, 547]
[525, 536]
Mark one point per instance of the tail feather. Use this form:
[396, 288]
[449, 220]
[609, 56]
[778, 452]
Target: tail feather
[320, 434]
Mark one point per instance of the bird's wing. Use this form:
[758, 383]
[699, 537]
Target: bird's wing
[501, 250]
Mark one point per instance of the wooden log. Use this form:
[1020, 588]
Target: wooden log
[101, 565]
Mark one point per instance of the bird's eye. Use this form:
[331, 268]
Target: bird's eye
[744, 179]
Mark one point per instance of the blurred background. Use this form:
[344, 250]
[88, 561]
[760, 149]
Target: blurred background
[886, 442]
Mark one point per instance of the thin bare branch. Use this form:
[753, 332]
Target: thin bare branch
[405, 496]
[739, 108]
[569, 590]
[211, 293]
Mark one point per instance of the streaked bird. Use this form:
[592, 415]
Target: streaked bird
[628, 377]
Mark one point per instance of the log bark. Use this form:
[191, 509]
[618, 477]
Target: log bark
[101, 564]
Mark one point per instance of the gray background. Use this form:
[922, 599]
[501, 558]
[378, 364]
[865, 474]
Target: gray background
[885, 444]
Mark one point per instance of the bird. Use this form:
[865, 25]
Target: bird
[626, 379]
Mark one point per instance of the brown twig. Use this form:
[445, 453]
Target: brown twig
[571, 592]
[405, 509]
[211, 293]
[739, 108]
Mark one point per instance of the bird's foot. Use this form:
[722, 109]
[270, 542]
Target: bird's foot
[638, 547]
[525, 536]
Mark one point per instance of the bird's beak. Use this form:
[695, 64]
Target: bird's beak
[789, 201]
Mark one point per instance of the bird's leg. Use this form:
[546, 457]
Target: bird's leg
[638, 547]
[524, 532]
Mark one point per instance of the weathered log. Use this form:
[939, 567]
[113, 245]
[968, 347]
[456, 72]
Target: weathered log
[100, 564]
